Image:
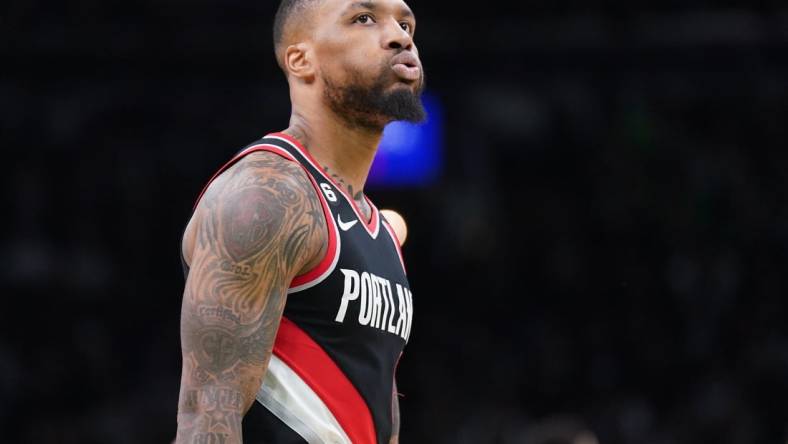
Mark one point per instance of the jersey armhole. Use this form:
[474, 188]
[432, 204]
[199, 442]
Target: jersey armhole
[319, 272]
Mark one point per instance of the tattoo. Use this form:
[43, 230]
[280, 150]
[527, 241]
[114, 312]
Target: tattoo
[300, 131]
[210, 397]
[258, 225]
[358, 197]
[253, 218]
[295, 243]
[299, 128]
[211, 438]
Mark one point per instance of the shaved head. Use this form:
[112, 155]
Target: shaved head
[290, 19]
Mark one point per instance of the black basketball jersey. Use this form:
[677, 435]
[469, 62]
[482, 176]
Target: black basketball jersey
[345, 323]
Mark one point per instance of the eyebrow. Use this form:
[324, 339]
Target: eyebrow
[373, 6]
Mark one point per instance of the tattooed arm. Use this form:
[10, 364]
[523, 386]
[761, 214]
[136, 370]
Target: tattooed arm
[259, 225]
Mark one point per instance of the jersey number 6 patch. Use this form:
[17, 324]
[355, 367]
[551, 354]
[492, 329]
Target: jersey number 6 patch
[330, 195]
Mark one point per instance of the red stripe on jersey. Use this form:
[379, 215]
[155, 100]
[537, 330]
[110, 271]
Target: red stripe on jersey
[372, 225]
[331, 250]
[333, 240]
[302, 354]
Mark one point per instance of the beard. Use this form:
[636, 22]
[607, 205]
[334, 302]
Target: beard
[369, 105]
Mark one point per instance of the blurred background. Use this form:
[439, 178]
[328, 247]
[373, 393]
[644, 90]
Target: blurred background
[599, 257]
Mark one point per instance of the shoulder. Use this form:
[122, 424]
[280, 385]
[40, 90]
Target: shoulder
[261, 169]
[264, 204]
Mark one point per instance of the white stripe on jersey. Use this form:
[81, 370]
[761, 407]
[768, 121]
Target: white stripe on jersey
[291, 400]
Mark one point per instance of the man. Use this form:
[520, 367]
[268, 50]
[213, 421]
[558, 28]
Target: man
[297, 306]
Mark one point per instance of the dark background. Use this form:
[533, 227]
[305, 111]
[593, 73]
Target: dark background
[606, 249]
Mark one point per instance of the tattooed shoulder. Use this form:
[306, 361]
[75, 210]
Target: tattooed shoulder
[263, 202]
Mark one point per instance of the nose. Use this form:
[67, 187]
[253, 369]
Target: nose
[396, 37]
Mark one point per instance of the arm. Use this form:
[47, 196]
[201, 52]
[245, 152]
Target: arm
[397, 222]
[257, 227]
[401, 230]
[394, 416]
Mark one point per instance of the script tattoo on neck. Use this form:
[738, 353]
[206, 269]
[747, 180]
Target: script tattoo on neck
[259, 224]
[357, 197]
[299, 130]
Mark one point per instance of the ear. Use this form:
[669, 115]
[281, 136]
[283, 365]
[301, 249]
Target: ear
[299, 61]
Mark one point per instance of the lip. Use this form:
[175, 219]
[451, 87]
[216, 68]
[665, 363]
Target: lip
[406, 66]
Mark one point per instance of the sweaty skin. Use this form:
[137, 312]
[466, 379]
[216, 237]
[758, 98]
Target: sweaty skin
[260, 223]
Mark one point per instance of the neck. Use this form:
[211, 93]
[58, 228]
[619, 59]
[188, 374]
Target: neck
[346, 152]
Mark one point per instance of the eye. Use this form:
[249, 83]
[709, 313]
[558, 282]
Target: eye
[364, 19]
[405, 26]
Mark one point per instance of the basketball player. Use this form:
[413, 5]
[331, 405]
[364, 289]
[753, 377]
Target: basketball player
[297, 307]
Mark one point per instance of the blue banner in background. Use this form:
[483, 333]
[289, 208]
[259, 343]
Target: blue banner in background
[411, 155]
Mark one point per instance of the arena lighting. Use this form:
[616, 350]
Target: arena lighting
[410, 155]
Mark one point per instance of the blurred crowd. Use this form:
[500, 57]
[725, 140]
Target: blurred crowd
[602, 261]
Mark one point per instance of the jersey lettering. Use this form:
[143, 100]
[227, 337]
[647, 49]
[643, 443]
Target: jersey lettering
[377, 306]
[350, 294]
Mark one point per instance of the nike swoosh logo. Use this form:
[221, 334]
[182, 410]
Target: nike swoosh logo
[344, 226]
